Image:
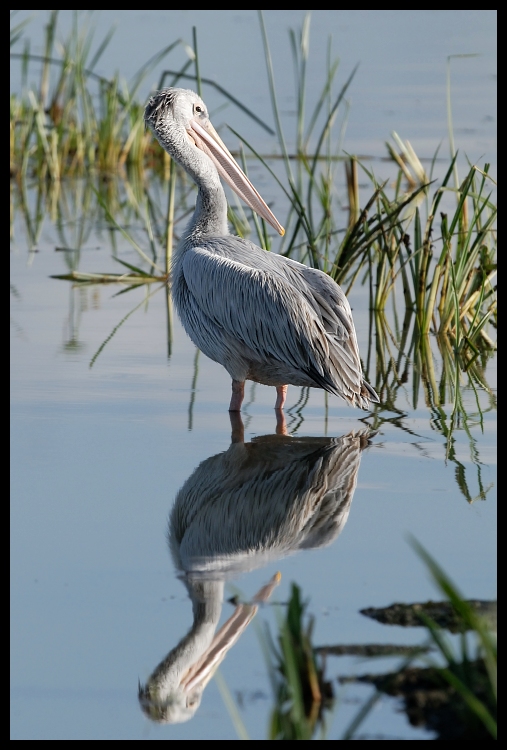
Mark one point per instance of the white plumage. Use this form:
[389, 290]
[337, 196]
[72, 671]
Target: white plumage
[262, 316]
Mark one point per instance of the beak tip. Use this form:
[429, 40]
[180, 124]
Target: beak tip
[281, 231]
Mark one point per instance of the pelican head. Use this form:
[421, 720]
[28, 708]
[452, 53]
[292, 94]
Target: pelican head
[177, 709]
[174, 707]
[179, 120]
[174, 690]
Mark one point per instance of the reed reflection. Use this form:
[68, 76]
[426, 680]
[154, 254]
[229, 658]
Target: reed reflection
[242, 509]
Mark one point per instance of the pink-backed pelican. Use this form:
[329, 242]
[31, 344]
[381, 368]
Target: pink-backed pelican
[262, 316]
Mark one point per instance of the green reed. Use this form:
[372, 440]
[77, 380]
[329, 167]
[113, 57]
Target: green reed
[301, 695]
[459, 668]
[398, 240]
[77, 120]
[405, 366]
[304, 701]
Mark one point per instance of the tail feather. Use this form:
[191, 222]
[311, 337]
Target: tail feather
[373, 396]
[345, 389]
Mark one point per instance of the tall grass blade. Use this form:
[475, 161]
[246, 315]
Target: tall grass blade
[196, 61]
[230, 704]
[117, 327]
[221, 90]
[274, 102]
[127, 236]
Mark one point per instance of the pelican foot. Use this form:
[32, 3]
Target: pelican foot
[237, 427]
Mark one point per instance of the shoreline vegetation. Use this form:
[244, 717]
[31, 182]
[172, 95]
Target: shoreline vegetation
[447, 688]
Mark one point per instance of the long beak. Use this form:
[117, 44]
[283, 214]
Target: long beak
[201, 672]
[207, 139]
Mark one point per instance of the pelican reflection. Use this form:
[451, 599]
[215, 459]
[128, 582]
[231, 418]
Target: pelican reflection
[242, 509]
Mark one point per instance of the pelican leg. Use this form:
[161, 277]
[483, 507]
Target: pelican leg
[238, 392]
[237, 427]
[281, 395]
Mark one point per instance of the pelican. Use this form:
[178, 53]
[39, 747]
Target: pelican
[263, 500]
[173, 692]
[262, 316]
[239, 510]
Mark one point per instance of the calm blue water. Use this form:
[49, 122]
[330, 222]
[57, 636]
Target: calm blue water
[99, 453]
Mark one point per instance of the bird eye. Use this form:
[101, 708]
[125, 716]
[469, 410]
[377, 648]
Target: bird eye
[197, 108]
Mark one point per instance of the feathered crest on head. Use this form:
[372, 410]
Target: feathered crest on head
[159, 105]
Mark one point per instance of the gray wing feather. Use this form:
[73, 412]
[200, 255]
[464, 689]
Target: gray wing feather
[274, 495]
[260, 309]
[242, 296]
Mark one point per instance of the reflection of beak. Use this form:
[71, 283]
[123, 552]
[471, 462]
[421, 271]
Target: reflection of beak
[202, 671]
[207, 139]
